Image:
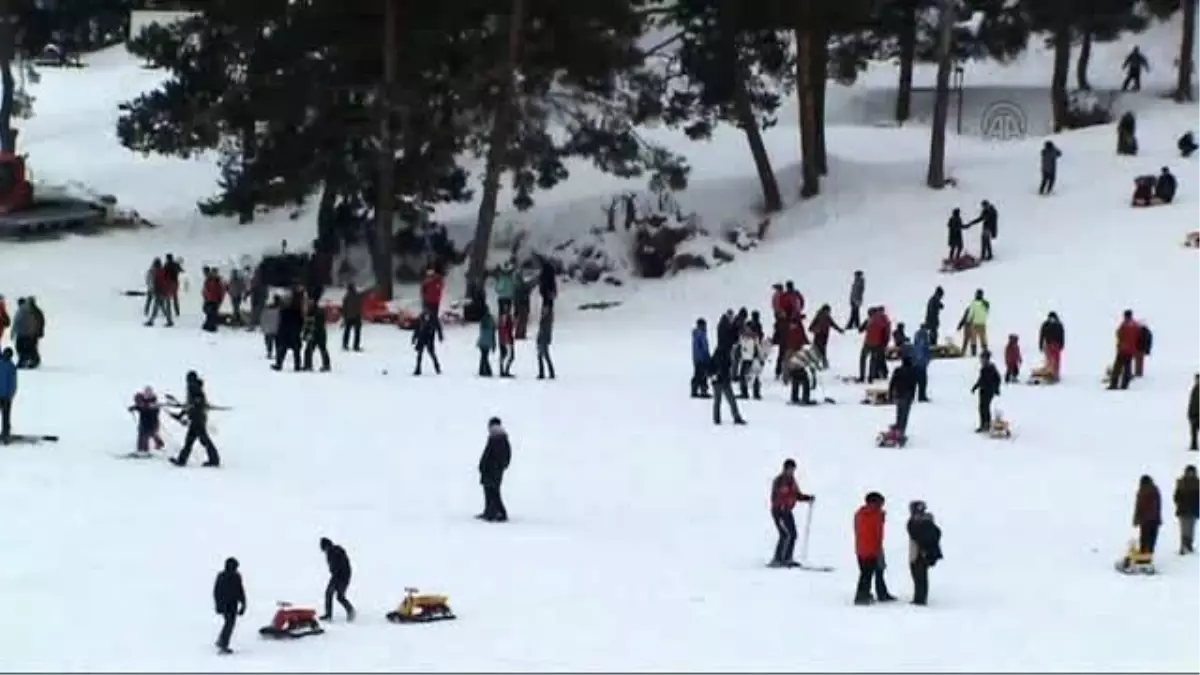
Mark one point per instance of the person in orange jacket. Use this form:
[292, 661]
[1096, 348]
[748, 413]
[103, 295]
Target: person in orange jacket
[214, 295]
[868, 548]
[785, 493]
[1129, 333]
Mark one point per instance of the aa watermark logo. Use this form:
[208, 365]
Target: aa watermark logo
[1003, 121]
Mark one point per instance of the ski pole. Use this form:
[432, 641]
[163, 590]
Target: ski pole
[807, 529]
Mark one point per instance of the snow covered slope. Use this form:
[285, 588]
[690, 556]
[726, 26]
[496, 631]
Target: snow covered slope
[639, 530]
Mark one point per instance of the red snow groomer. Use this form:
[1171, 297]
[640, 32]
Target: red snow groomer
[292, 622]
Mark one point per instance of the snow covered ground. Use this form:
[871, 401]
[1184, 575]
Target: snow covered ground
[639, 531]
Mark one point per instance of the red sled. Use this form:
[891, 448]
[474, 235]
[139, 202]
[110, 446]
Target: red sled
[892, 438]
[964, 262]
[292, 622]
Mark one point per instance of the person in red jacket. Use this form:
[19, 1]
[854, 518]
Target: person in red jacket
[431, 291]
[795, 339]
[785, 493]
[777, 304]
[1128, 334]
[868, 548]
[793, 301]
[878, 331]
[506, 329]
[1012, 359]
[821, 324]
[214, 294]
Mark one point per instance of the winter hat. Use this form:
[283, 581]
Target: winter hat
[874, 498]
[325, 543]
[231, 564]
[789, 463]
[916, 507]
[494, 426]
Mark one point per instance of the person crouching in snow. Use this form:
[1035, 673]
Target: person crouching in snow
[1012, 360]
[145, 404]
[750, 355]
[1147, 514]
[785, 493]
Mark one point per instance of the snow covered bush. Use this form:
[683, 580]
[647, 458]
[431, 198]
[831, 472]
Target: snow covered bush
[1085, 109]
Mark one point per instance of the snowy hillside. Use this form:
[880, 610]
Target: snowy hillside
[639, 530]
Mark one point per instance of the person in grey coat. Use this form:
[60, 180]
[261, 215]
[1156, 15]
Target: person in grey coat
[544, 338]
[268, 322]
[858, 288]
[237, 288]
[1050, 155]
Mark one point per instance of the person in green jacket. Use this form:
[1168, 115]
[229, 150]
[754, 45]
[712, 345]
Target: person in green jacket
[486, 342]
[505, 288]
[974, 324]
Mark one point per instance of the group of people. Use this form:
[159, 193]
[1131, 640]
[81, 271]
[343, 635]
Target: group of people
[28, 327]
[989, 222]
[1147, 513]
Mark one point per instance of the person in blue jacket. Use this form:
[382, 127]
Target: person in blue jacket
[700, 360]
[920, 351]
[8, 391]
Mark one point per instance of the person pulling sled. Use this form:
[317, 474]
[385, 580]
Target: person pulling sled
[1147, 518]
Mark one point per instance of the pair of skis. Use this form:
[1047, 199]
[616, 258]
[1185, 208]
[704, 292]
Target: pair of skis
[803, 564]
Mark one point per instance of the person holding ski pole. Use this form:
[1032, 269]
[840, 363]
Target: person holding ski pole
[785, 492]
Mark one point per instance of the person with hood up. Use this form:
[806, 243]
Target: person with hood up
[924, 549]
[954, 236]
[545, 336]
[497, 455]
[754, 325]
[352, 319]
[903, 389]
[1050, 155]
[1012, 359]
[195, 412]
[987, 387]
[486, 341]
[1193, 412]
[921, 353]
[268, 323]
[291, 328]
[858, 289]
[506, 331]
[820, 327]
[1129, 333]
[974, 324]
[868, 548]
[933, 314]
[1147, 514]
[315, 336]
[427, 330]
[229, 596]
[8, 392]
[339, 579]
[1052, 338]
[1187, 508]
[722, 379]
[700, 359]
[785, 494]
[989, 219]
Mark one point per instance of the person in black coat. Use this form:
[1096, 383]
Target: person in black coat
[195, 415]
[924, 549]
[492, 464]
[954, 228]
[229, 596]
[547, 284]
[987, 386]
[903, 389]
[339, 579]
[933, 314]
[1165, 186]
[427, 330]
[989, 218]
[1193, 411]
[291, 326]
[723, 377]
[316, 337]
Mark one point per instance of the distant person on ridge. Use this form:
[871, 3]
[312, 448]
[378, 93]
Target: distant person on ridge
[1050, 155]
[1133, 65]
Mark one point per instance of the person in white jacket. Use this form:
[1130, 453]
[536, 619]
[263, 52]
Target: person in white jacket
[269, 324]
[752, 353]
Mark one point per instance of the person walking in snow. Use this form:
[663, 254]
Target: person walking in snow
[785, 493]
[723, 377]
[174, 270]
[933, 313]
[497, 455]
[1012, 359]
[921, 353]
[1147, 514]
[352, 319]
[427, 330]
[987, 387]
[1193, 412]
[924, 549]
[507, 334]
[903, 389]
[820, 327]
[339, 579]
[1187, 508]
[1052, 338]
[486, 342]
[195, 415]
[1133, 65]
[700, 359]
[157, 300]
[858, 288]
[974, 324]
[1128, 335]
[545, 336]
[229, 596]
[8, 392]
[1050, 155]
[989, 219]
[315, 337]
[868, 548]
[268, 323]
[145, 404]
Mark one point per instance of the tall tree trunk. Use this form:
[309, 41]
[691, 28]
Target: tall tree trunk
[502, 119]
[810, 166]
[820, 82]
[8, 52]
[1085, 57]
[908, 54]
[382, 255]
[249, 142]
[1187, 45]
[744, 111]
[936, 177]
[1062, 66]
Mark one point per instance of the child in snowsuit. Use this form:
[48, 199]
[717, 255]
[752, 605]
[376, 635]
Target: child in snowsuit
[506, 330]
[145, 404]
[1012, 360]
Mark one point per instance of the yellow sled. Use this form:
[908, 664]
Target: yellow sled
[877, 396]
[1136, 562]
[421, 608]
[1042, 375]
[1000, 428]
[946, 350]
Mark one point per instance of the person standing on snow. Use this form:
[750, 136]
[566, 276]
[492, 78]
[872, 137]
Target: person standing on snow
[213, 292]
[352, 319]
[173, 270]
[1133, 65]
[974, 324]
[522, 300]
[547, 284]
[1129, 333]
[989, 219]
[1050, 155]
[858, 288]
[878, 332]
[486, 342]
[700, 359]
[545, 336]
[924, 549]
[1144, 343]
[339, 579]
[427, 330]
[5, 319]
[1147, 514]
[750, 355]
[229, 596]
[722, 377]
[1052, 337]
[1193, 412]
[431, 291]
[268, 323]
[195, 411]
[921, 353]
[820, 327]
[497, 455]
[8, 392]
[316, 337]
[237, 293]
[505, 289]
[903, 389]
[507, 334]
[954, 230]
[987, 387]
[785, 493]
[933, 314]
[1012, 359]
[1187, 508]
[868, 548]
[145, 404]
